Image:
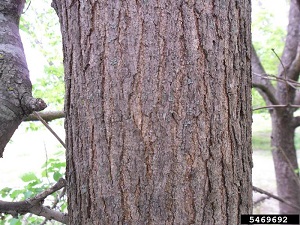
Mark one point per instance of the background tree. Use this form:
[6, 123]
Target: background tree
[283, 100]
[158, 111]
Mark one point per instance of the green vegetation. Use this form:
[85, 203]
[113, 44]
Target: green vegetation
[52, 170]
[267, 35]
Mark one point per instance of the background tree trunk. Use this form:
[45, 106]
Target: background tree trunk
[158, 111]
[285, 159]
[16, 100]
[283, 100]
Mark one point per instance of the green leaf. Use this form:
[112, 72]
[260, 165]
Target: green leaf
[28, 194]
[15, 221]
[29, 177]
[5, 191]
[31, 185]
[15, 194]
[56, 176]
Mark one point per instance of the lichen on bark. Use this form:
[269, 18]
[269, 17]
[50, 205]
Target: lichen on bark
[16, 99]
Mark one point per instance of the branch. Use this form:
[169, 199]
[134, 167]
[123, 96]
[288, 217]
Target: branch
[290, 56]
[296, 121]
[50, 129]
[47, 116]
[292, 83]
[56, 200]
[294, 68]
[275, 197]
[277, 106]
[264, 86]
[34, 205]
[16, 99]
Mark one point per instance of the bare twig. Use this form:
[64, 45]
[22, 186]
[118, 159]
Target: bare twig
[275, 197]
[285, 76]
[273, 50]
[49, 128]
[47, 116]
[264, 86]
[26, 8]
[291, 82]
[276, 106]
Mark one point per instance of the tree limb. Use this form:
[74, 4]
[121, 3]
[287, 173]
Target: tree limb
[290, 56]
[63, 192]
[34, 205]
[275, 197]
[16, 100]
[264, 86]
[47, 116]
[296, 121]
[294, 69]
[277, 106]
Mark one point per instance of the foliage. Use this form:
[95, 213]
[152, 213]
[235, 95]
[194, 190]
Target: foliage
[53, 169]
[267, 34]
[257, 101]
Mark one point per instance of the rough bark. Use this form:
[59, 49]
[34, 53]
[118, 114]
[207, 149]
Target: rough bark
[283, 120]
[158, 111]
[16, 100]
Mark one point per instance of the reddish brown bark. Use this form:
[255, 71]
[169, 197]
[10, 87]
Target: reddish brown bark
[158, 111]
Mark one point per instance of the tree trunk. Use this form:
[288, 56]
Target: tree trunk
[283, 120]
[285, 159]
[158, 111]
[16, 100]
